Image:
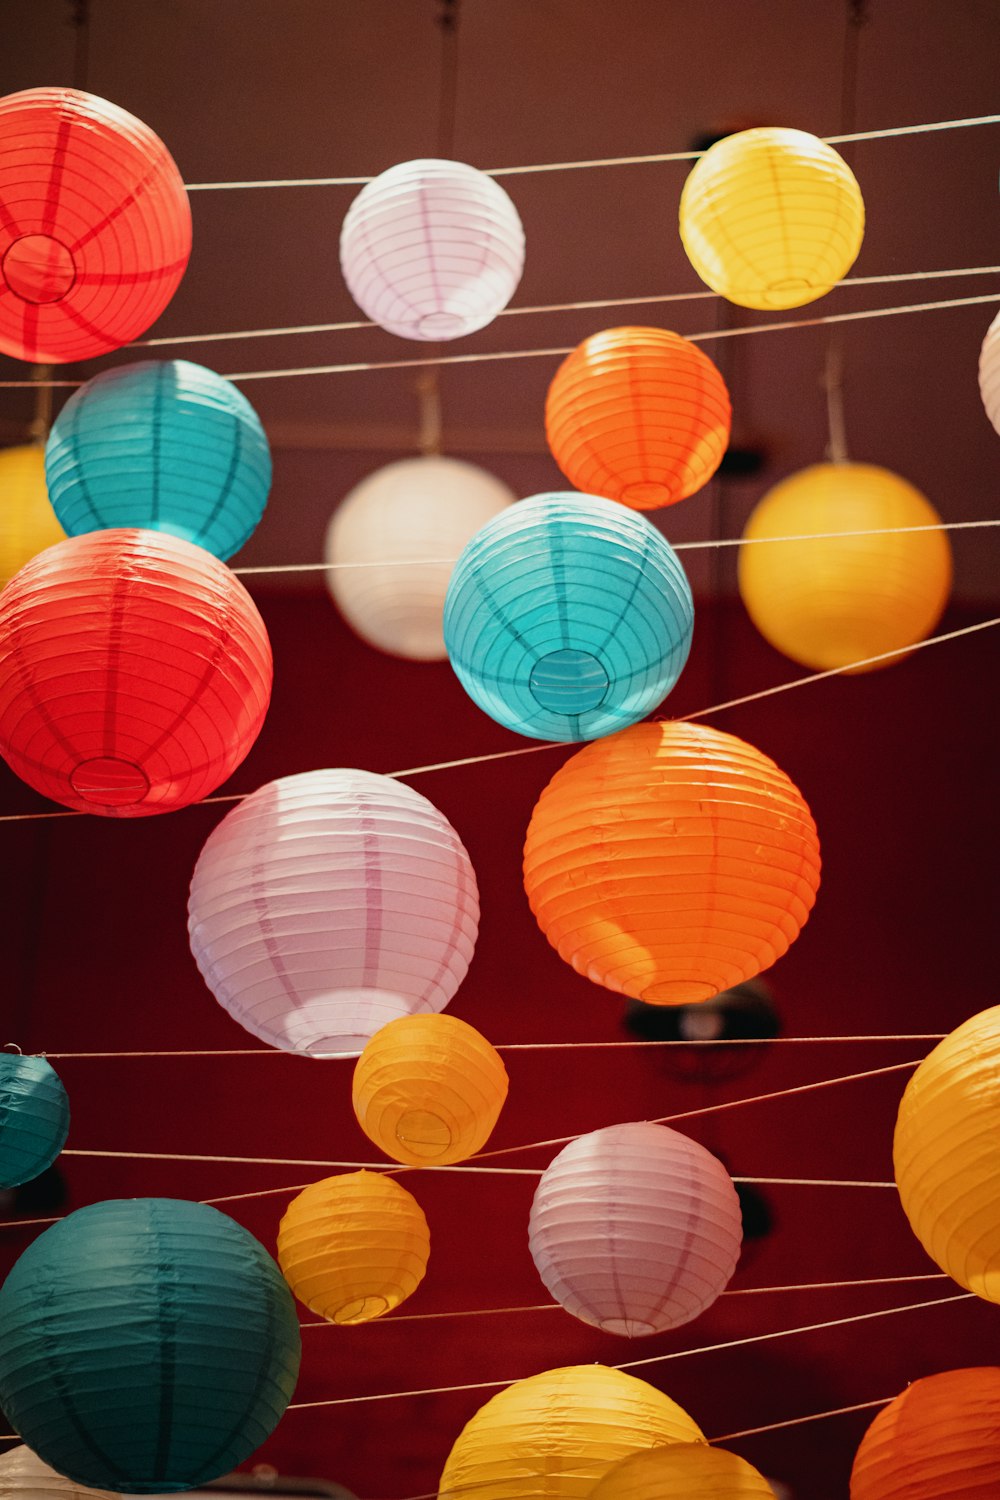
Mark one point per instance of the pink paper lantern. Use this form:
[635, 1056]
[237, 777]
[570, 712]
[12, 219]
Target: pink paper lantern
[635, 1229]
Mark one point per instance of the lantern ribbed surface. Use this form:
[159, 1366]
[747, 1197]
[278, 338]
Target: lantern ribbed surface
[936, 1441]
[150, 1345]
[946, 1154]
[23, 1476]
[839, 599]
[96, 228]
[34, 1117]
[635, 1228]
[989, 372]
[670, 862]
[392, 543]
[329, 903]
[135, 673]
[353, 1247]
[552, 1436]
[432, 249]
[163, 444]
[428, 1089]
[639, 415]
[567, 617]
[771, 218]
[681, 1472]
[28, 523]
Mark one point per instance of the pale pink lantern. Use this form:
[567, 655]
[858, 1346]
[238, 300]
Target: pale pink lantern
[635, 1228]
[328, 904]
[432, 249]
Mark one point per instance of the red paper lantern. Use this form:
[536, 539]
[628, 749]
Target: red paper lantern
[135, 672]
[96, 229]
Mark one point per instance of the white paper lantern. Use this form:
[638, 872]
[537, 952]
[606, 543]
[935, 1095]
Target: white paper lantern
[23, 1476]
[989, 372]
[432, 249]
[392, 544]
[327, 904]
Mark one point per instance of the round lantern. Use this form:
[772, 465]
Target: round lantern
[432, 249]
[135, 673]
[34, 1117]
[149, 1345]
[554, 1435]
[428, 1089]
[771, 218]
[27, 521]
[936, 1441]
[839, 599]
[670, 862]
[681, 1471]
[96, 229]
[638, 414]
[328, 903]
[635, 1228]
[23, 1476]
[568, 617]
[946, 1154]
[392, 543]
[163, 444]
[989, 372]
[354, 1247]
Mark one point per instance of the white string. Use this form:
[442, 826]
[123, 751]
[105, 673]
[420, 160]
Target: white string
[816, 1416]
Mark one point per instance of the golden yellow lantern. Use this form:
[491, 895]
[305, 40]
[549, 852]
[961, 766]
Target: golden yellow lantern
[552, 1436]
[353, 1246]
[771, 218]
[27, 521]
[838, 599]
[428, 1089]
[946, 1154]
[680, 1472]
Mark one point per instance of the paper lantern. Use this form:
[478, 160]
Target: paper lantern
[552, 1436]
[428, 1089]
[989, 372]
[23, 1476]
[771, 218]
[393, 541]
[353, 1247]
[27, 521]
[96, 230]
[946, 1153]
[635, 1228]
[670, 862]
[34, 1117]
[680, 1472]
[936, 1441]
[432, 249]
[638, 414]
[163, 444]
[150, 1345]
[840, 599]
[328, 903]
[567, 617]
[135, 673]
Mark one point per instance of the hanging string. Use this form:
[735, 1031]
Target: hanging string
[816, 1416]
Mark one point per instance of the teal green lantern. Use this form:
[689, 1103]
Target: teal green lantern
[149, 1345]
[34, 1117]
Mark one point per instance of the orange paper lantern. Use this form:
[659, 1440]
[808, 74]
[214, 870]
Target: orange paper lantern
[936, 1441]
[638, 415]
[670, 862]
[683, 1471]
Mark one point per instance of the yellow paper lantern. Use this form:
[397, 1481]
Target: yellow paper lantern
[353, 1246]
[428, 1089]
[936, 1441]
[552, 1436]
[946, 1154]
[839, 599]
[680, 1472]
[27, 521]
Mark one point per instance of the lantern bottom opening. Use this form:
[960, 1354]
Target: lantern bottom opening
[678, 992]
[360, 1310]
[441, 325]
[568, 682]
[108, 781]
[423, 1133]
[647, 495]
[39, 269]
[629, 1328]
[336, 1022]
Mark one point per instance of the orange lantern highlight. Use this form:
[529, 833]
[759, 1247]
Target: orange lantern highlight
[680, 1472]
[638, 415]
[936, 1441]
[428, 1089]
[670, 862]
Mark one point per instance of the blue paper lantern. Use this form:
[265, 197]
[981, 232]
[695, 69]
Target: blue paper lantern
[149, 1345]
[165, 445]
[34, 1117]
[568, 617]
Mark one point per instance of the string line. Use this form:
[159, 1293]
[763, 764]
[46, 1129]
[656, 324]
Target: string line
[816, 1416]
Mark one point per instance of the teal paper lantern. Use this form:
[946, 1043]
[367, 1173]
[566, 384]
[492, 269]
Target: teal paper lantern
[164, 445]
[568, 617]
[149, 1345]
[34, 1117]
